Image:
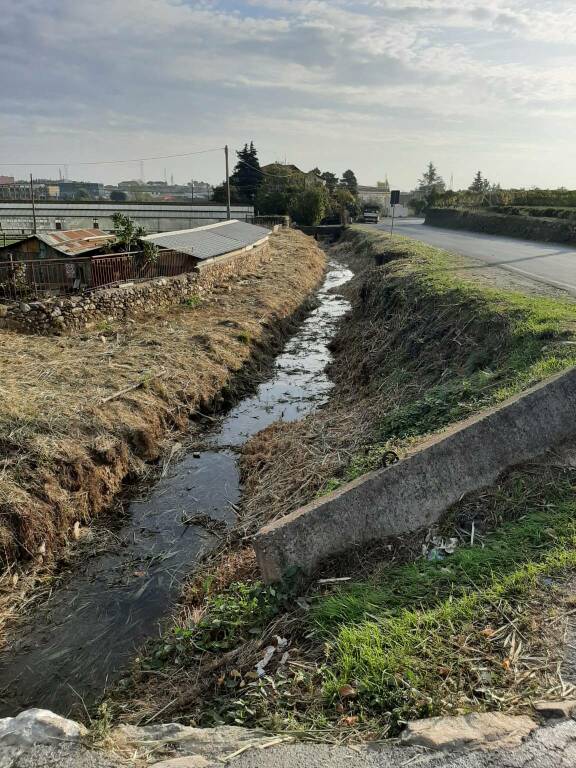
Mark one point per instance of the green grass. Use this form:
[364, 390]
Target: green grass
[244, 337]
[450, 346]
[192, 302]
[395, 636]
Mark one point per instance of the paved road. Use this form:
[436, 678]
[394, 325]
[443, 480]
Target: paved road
[550, 263]
[552, 747]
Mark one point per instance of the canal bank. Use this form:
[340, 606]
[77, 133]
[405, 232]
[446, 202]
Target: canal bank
[80, 639]
[84, 413]
[426, 344]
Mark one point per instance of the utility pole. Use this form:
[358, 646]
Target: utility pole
[33, 205]
[227, 183]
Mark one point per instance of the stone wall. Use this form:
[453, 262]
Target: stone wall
[62, 314]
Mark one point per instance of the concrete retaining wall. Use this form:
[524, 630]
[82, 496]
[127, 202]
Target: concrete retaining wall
[415, 492]
[57, 315]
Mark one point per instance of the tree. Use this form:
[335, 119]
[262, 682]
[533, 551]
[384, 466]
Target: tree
[309, 206]
[247, 176]
[219, 195]
[480, 184]
[277, 190]
[431, 181]
[344, 200]
[117, 196]
[272, 202]
[350, 181]
[430, 187]
[126, 231]
[331, 181]
[129, 234]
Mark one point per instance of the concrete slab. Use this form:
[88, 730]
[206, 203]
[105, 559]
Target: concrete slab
[414, 493]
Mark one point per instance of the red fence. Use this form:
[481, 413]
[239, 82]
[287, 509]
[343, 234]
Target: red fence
[40, 278]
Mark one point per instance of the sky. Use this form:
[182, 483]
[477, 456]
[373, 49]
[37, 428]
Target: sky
[378, 86]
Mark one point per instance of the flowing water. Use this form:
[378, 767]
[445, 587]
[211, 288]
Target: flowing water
[84, 635]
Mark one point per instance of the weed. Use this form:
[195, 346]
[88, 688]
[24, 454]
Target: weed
[105, 326]
[245, 337]
[192, 302]
[228, 618]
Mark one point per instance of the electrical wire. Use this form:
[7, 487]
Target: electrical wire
[116, 162]
[265, 173]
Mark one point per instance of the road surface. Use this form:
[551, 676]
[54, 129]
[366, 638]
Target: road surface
[551, 263]
[551, 747]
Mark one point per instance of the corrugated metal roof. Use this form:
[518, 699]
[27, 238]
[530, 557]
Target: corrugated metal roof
[211, 240]
[73, 242]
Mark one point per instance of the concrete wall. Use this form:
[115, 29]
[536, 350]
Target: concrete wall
[58, 315]
[415, 492]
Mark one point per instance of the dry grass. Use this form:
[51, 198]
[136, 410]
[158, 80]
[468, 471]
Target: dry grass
[64, 453]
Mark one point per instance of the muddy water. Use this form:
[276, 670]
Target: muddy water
[86, 632]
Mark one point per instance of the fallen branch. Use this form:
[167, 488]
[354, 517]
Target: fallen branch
[132, 387]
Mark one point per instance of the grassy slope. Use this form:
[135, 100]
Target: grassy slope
[449, 346]
[410, 636]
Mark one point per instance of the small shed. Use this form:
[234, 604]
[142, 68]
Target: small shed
[58, 244]
[212, 242]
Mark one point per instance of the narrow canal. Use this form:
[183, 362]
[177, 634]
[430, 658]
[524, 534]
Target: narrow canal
[81, 638]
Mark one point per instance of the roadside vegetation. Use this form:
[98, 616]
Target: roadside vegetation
[464, 617]
[282, 189]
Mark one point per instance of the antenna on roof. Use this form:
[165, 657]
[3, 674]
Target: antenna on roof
[142, 171]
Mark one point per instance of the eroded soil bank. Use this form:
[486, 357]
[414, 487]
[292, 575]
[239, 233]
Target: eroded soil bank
[463, 617]
[79, 640]
[69, 432]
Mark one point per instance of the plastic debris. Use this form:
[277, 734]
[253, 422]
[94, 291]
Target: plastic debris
[263, 663]
[438, 548]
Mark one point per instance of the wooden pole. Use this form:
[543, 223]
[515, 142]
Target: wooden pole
[227, 183]
[33, 205]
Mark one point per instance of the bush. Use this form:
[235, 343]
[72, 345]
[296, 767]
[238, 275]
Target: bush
[309, 206]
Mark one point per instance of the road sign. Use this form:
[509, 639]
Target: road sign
[395, 197]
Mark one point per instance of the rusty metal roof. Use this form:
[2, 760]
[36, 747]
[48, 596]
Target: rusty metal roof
[74, 242]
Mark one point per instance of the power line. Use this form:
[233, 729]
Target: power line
[265, 173]
[116, 162]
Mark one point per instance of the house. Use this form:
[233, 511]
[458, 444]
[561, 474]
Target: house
[212, 242]
[282, 170]
[379, 195]
[58, 244]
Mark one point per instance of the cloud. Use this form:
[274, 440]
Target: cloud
[149, 73]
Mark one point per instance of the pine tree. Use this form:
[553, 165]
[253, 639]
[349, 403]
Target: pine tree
[247, 176]
[350, 181]
[431, 181]
[480, 184]
[331, 181]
